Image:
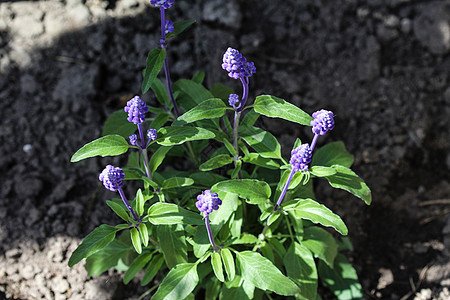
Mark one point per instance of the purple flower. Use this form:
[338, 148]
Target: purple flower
[301, 157]
[207, 202]
[136, 109]
[151, 134]
[133, 139]
[323, 121]
[112, 178]
[236, 65]
[169, 27]
[233, 100]
[164, 3]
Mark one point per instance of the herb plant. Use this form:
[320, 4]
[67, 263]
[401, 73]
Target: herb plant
[235, 219]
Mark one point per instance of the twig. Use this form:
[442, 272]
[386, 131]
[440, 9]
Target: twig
[432, 218]
[435, 202]
[415, 287]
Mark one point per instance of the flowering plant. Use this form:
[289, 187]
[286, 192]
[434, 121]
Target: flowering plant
[261, 229]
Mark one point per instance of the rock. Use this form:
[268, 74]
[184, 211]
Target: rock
[28, 187]
[368, 67]
[227, 13]
[59, 284]
[432, 28]
[386, 34]
[28, 26]
[386, 278]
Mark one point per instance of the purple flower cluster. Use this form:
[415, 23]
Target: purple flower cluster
[301, 157]
[207, 202]
[233, 100]
[133, 139]
[112, 178]
[169, 27]
[323, 121]
[151, 134]
[237, 65]
[162, 3]
[136, 109]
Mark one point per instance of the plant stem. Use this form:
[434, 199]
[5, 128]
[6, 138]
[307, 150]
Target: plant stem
[141, 135]
[146, 163]
[289, 228]
[314, 141]
[210, 235]
[127, 204]
[166, 63]
[237, 115]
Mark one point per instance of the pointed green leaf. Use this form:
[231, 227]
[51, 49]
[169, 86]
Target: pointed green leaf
[221, 91]
[136, 240]
[140, 202]
[178, 283]
[250, 118]
[137, 265]
[99, 238]
[105, 258]
[228, 262]
[258, 160]
[342, 279]
[109, 145]
[169, 136]
[301, 268]
[317, 213]
[117, 123]
[274, 107]
[260, 271]
[179, 27]
[216, 162]
[262, 141]
[237, 289]
[347, 180]
[252, 190]
[158, 157]
[152, 268]
[168, 213]
[320, 171]
[175, 182]
[208, 109]
[332, 154]
[160, 92]
[198, 77]
[173, 244]
[216, 264]
[155, 60]
[191, 93]
[143, 231]
[321, 243]
[117, 208]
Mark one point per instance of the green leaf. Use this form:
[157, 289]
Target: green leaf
[198, 77]
[216, 162]
[191, 93]
[173, 244]
[237, 289]
[246, 238]
[178, 283]
[159, 121]
[136, 240]
[252, 190]
[342, 279]
[152, 268]
[140, 202]
[250, 118]
[321, 243]
[301, 268]
[137, 265]
[262, 141]
[105, 258]
[118, 210]
[99, 238]
[216, 264]
[256, 159]
[175, 182]
[208, 109]
[177, 135]
[228, 262]
[117, 123]
[158, 157]
[274, 107]
[221, 91]
[347, 180]
[109, 145]
[179, 27]
[143, 231]
[317, 213]
[155, 60]
[320, 171]
[168, 213]
[260, 271]
[332, 154]
[159, 90]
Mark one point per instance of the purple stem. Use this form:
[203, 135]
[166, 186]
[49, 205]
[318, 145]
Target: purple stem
[314, 141]
[141, 135]
[236, 131]
[210, 235]
[283, 193]
[146, 164]
[166, 63]
[245, 83]
[127, 204]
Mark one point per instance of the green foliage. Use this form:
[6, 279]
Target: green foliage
[155, 60]
[274, 107]
[109, 145]
[117, 123]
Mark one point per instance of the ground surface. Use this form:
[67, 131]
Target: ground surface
[383, 67]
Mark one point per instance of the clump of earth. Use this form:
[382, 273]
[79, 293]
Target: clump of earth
[383, 68]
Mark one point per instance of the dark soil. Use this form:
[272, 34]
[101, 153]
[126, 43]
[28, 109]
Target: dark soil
[382, 66]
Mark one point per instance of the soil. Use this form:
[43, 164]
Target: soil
[382, 66]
